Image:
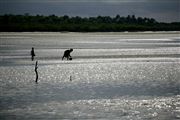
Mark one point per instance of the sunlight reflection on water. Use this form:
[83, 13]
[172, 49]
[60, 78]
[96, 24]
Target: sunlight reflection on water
[125, 81]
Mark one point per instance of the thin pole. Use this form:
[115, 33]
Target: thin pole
[70, 78]
[36, 67]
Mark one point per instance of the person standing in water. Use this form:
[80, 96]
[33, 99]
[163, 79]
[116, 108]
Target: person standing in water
[32, 54]
[36, 67]
[67, 54]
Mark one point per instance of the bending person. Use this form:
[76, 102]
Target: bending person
[67, 54]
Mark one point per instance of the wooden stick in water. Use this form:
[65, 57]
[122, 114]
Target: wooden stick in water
[70, 78]
[36, 67]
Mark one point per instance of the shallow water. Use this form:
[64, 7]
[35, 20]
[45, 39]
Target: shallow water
[112, 76]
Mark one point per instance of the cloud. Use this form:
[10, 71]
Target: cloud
[65, 1]
[162, 10]
[80, 1]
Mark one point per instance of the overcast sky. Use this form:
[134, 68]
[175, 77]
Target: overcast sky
[161, 10]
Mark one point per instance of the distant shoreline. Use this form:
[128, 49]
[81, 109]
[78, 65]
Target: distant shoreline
[125, 32]
[52, 23]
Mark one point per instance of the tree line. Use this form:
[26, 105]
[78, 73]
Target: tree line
[118, 23]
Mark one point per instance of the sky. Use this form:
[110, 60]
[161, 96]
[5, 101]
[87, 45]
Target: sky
[161, 10]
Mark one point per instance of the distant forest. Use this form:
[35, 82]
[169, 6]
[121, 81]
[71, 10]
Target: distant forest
[18, 23]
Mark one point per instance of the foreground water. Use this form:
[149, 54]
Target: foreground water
[112, 76]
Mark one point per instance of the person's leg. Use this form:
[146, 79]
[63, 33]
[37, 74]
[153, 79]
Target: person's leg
[32, 58]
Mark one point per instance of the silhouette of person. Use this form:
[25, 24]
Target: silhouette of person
[67, 54]
[32, 54]
[36, 67]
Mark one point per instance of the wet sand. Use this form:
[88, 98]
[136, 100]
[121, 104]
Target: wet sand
[112, 76]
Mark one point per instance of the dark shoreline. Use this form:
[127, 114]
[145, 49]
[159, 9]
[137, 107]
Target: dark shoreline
[52, 23]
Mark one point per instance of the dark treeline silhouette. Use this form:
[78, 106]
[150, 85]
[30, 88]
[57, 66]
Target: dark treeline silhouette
[78, 24]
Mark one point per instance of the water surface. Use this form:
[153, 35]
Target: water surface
[113, 76]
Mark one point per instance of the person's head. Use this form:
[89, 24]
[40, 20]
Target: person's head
[71, 49]
[32, 48]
